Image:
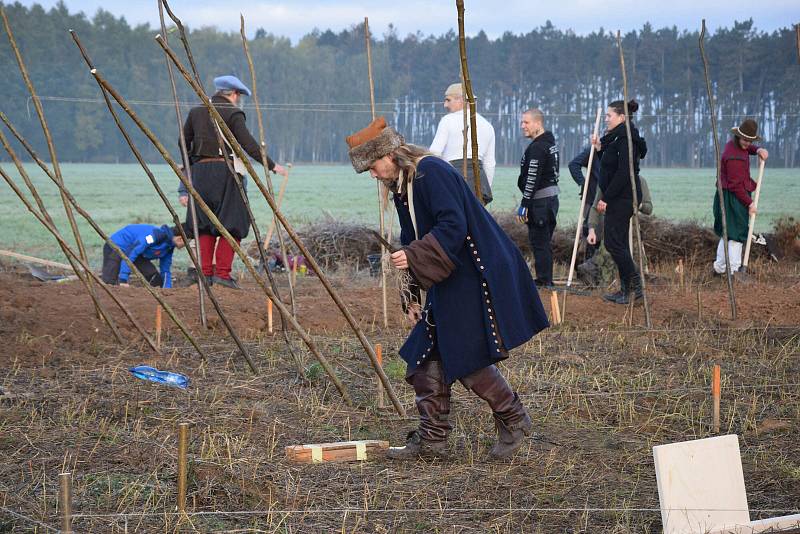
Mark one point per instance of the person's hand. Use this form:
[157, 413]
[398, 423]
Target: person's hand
[414, 312]
[595, 141]
[601, 206]
[522, 214]
[280, 169]
[399, 259]
[184, 200]
[751, 209]
[124, 284]
[763, 154]
[592, 237]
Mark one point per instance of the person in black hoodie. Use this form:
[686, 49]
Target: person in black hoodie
[538, 183]
[617, 203]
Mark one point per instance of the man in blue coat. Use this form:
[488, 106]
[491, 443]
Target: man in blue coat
[481, 300]
[142, 243]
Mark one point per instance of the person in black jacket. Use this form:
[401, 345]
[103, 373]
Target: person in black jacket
[576, 170]
[618, 196]
[538, 182]
[214, 181]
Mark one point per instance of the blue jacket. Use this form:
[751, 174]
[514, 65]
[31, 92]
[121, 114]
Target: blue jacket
[148, 242]
[576, 170]
[489, 303]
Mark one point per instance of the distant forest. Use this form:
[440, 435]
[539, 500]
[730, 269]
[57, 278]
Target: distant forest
[316, 90]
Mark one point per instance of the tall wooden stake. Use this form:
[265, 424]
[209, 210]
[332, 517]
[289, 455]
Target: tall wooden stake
[158, 327]
[183, 465]
[379, 184]
[312, 262]
[752, 222]
[720, 195]
[716, 389]
[473, 110]
[53, 159]
[272, 224]
[65, 500]
[380, 392]
[636, 226]
[269, 316]
[187, 168]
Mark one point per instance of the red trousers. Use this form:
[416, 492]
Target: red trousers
[211, 248]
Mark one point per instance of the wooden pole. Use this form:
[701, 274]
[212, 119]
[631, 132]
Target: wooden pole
[379, 184]
[269, 316]
[158, 327]
[715, 394]
[681, 272]
[636, 226]
[579, 229]
[473, 110]
[699, 306]
[272, 225]
[379, 391]
[207, 211]
[187, 168]
[720, 196]
[554, 309]
[752, 222]
[183, 465]
[465, 130]
[271, 201]
[31, 259]
[65, 500]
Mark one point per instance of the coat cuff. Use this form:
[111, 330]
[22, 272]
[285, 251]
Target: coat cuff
[428, 261]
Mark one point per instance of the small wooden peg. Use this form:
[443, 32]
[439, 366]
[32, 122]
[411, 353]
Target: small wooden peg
[380, 392]
[158, 327]
[554, 308]
[715, 393]
[269, 316]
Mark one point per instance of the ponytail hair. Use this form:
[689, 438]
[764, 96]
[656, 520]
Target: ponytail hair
[619, 107]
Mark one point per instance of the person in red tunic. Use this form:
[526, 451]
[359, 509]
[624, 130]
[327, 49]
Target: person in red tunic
[737, 187]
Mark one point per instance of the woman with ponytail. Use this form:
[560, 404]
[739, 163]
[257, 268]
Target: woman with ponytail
[617, 203]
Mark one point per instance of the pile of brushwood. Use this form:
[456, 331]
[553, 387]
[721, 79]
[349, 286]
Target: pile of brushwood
[335, 242]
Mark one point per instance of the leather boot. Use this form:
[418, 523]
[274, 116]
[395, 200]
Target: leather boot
[634, 291]
[624, 288]
[433, 403]
[511, 418]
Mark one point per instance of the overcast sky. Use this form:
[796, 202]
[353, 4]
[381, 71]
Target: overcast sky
[297, 18]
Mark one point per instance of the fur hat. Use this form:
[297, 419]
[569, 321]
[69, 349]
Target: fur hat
[372, 143]
[748, 130]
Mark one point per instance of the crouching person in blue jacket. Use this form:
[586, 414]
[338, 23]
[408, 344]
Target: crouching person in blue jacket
[142, 243]
[481, 301]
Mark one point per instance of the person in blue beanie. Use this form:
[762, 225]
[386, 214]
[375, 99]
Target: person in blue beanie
[142, 243]
[481, 301]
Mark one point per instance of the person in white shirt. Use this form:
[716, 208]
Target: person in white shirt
[449, 141]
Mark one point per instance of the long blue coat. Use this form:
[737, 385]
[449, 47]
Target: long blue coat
[489, 303]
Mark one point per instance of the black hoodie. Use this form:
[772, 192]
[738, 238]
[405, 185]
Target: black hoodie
[615, 178]
[538, 168]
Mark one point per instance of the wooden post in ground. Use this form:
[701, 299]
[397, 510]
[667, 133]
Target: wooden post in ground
[269, 316]
[699, 306]
[65, 500]
[681, 272]
[752, 221]
[183, 449]
[554, 308]
[473, 108]
[715, 394]
[379, 386]
[158, 327]
[272, 224]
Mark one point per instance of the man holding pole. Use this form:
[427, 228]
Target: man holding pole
[737, 187]
[538, 183]
[212, 177]
[448, 143]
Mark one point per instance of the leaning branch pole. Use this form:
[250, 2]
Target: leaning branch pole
[379, 184]
[720, 198]
[631, 171]
[217, 224]
[262, 135]
[287, 226]
[201, 287]
[473, 110]
[50, 147]
[751, 223]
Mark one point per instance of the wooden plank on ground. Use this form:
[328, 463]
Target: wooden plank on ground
[31, 259]
[342, 451]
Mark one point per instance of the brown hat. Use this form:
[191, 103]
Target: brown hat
[748, 130]
[372, 143]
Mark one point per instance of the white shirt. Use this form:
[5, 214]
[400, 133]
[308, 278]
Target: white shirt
[449, 141]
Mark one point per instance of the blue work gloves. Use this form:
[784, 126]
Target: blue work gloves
[522, 214]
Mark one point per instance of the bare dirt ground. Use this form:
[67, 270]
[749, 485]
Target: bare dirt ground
[602, 391]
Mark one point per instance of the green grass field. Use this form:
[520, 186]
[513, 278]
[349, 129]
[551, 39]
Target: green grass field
[116, 195]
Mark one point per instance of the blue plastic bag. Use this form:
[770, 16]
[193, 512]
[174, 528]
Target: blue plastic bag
[146, 372]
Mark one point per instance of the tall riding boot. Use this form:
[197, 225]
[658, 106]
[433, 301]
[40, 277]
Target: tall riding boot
[433, 404]
[510, 416]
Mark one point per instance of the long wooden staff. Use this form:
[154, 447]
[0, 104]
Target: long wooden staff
[53, 160]
[752, 221]
[473, 110]
[272, 224]
[259, 243]
[632, 173]
[215, 221]
[312, 262]
[187, 167]
[380, 186]
[720, 197]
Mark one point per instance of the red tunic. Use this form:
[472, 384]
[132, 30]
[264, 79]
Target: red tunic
[735, 171]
